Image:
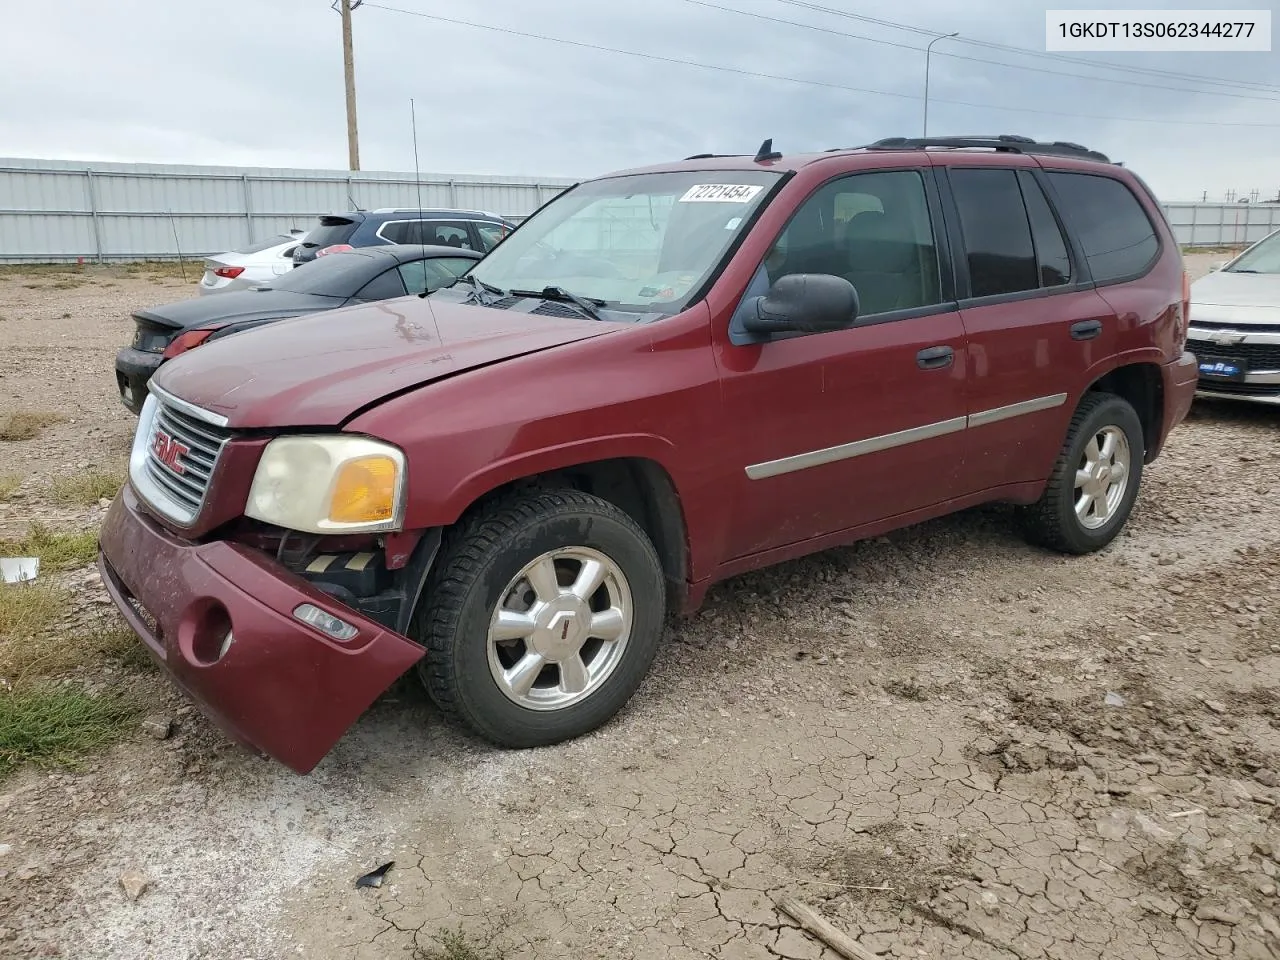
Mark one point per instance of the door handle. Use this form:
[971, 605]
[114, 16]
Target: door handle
[1086, 329]
[934, 358]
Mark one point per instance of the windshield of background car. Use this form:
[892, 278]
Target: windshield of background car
[337, 275]
[643, 243]
[1263, 258]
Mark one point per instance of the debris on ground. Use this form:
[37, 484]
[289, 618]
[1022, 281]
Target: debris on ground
[134, 883]
[374, 878]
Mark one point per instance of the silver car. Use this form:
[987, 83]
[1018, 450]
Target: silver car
[250, 266]
[1235, 326]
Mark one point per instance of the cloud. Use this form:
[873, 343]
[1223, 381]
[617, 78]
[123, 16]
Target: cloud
[259, 82]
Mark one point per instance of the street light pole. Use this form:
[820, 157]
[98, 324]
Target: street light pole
[928, 51]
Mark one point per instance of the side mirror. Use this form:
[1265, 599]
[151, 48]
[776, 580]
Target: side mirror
[804, 303]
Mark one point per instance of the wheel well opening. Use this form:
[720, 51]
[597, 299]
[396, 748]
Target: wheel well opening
[639, 487]
[1140, 384]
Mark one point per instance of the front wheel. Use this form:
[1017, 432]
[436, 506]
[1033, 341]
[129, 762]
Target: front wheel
[543, 617]
[1095, 479]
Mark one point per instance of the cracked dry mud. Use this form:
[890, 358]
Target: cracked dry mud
[912, 734]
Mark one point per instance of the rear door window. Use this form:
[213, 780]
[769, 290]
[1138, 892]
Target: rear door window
[432, 233]
[384, 286]
[1118, 237]
[997, 233]
[430, 275]
[490, 234]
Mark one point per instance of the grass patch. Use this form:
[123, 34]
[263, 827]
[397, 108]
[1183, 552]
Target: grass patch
[86, 489]
[166, 269]
[9, 484]
[31, 656]
[57, 551]
[52, 725]
[25, 610]
[456, 945]
[27, 424]
[42, 270]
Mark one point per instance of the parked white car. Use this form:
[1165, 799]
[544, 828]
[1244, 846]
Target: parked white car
[248, 266]
[1235, 326]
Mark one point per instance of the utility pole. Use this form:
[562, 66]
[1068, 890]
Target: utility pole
[349, 69]
[928, 52]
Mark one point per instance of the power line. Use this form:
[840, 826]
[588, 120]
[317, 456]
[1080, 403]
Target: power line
[960, 56]
[581, 44]
[1039, 54]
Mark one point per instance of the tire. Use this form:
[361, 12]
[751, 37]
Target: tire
[484, 564]
[1054, 521]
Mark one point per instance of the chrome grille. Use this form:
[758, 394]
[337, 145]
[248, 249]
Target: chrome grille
[173, 469]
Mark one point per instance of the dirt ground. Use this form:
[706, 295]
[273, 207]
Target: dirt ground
[952, 744]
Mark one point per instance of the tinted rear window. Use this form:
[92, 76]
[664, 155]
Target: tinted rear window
[259, 245]
[1114, 229]
[335, 275]
[330, 231]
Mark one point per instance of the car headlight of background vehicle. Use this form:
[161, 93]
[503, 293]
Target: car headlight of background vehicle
[329, 484]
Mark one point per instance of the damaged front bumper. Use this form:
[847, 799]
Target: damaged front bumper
[219, 618]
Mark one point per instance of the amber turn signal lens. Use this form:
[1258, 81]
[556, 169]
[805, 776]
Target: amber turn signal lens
[364, 491]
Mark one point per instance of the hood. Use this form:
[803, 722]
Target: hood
[235, 307]
[1243, 298]
[320, 370]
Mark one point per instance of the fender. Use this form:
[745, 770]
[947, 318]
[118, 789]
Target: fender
[558, 457]
[698, 524]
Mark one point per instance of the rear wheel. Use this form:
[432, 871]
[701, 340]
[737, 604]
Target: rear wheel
[543, 617]
[1095, 479]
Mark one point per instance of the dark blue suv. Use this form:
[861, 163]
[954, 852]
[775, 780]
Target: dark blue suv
[468, 229]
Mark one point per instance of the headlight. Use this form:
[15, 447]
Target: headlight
[329, 484]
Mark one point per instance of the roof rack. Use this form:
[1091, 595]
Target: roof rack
[1006, 143]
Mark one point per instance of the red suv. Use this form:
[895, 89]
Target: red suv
[664, 378]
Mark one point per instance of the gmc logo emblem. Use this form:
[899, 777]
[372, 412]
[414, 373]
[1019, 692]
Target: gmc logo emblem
[168, 451]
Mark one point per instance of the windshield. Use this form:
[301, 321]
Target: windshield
[337, 275]
[1262, 257]
[642, 243]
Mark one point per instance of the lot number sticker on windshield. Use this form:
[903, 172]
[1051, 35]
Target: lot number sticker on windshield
[721, 193]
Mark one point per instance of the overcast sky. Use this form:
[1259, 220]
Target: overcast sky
[259, 82]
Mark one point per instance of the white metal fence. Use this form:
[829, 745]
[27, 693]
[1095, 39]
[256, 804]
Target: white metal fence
[52, 210]
[1222, 224]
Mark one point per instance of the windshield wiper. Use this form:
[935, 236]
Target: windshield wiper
[587, 305]
[479, 288]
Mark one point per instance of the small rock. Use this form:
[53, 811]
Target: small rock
[104, 502]
[1267, 777]
[158, 727]
[1166, 561]
[134, 883]
[990, 902]
[6, 849]
[1176, 589]
[1270, 924]
[1218, 912]
[1216, 706]
[1113, 699]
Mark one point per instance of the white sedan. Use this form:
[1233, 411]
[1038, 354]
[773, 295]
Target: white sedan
[249, 266]
[1235, 326]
